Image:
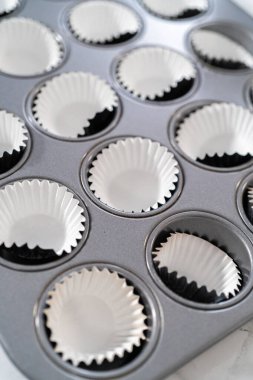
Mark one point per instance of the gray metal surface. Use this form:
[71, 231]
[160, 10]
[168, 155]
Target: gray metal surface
[185, 331]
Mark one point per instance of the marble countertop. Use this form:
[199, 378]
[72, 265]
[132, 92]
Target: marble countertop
[230, 359]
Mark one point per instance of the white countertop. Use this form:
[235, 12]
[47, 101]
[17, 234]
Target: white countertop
[230, 359]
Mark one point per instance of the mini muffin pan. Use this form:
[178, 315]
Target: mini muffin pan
[126, 184]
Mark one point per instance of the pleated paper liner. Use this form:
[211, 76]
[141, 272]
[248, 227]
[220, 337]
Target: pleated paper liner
[176, 9]
[14, 138]
[221, 51]
[225, 64]
[100, 22]
[196, 269]
[226, 160]
[40, 222]
[155, 73]
[99, 122]
[8, 6]
[248, 203]
[106, 326]
[182, 87]
[74, 105]
[28, 256]
[133, 175]
[218, 135]
[190, 291]
[28, 47]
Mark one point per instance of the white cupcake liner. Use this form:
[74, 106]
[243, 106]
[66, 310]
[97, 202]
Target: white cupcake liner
[174, 8]
[149, 72]
[218, 128]
[249, 203]
[27, 47]
[200, 261]
[100, 21]
[40, 213]
[134, 175]
[250, 195]
[7, 6]
[94, 315]
[13, 134]
[214, 45]
[65, 104]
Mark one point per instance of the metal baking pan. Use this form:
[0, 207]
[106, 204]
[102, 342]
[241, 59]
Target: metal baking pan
[206, 199]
